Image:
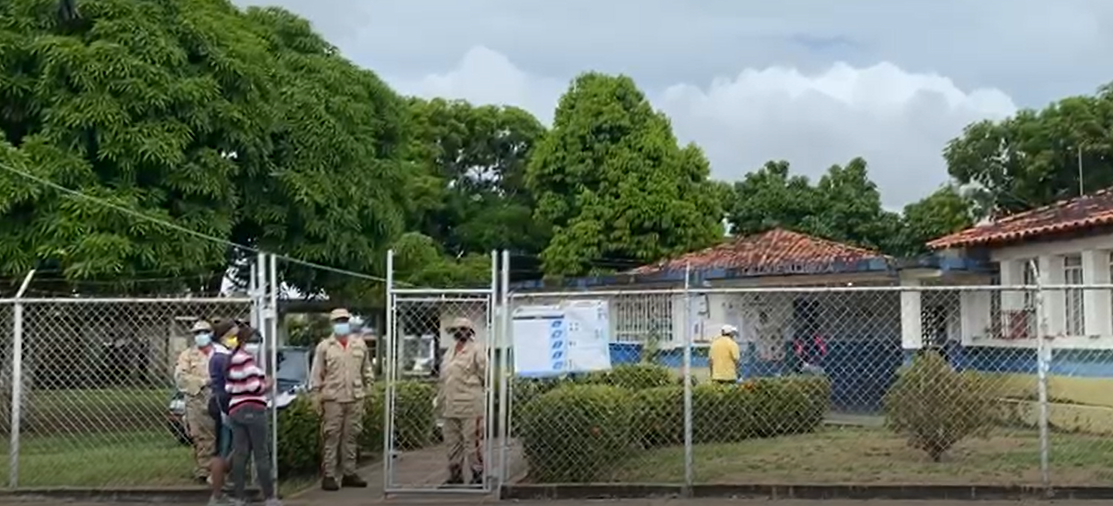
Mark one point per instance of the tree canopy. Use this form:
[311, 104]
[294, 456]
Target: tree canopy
[243, 126]
[1032, 158]
[614, 185]
[246, 127]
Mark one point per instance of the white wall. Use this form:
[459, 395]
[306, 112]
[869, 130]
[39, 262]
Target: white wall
[1049, 256]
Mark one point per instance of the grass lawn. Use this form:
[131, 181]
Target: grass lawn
[102, 460]
[121, 459]
[876, 456]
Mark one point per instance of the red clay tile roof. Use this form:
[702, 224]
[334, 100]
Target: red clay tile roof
[1063, 216]
[777, 250]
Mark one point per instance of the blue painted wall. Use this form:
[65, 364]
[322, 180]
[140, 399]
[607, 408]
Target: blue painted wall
[860, 370]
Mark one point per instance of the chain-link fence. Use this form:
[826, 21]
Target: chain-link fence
[881, 385]
[98, 404]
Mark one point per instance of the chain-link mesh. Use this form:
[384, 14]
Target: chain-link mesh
[99, 403]
[932, 385]
[1079, 322]
[581, 420]
[441, 432]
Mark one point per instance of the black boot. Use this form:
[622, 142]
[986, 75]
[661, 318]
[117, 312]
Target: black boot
[330, 484]
[352, 481]
[477, 477]
[455, 477]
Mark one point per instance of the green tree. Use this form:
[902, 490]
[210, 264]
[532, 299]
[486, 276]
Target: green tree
[770, 198]
[469, 191]
[1031, 159]
[844, 205]
[244, 126]
[943, 212]
[614, 185]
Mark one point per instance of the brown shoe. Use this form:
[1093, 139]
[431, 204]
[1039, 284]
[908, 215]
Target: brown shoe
[352, 481]
[329, 484]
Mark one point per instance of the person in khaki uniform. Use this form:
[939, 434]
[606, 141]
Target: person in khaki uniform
[460, 400]
[339, 379]
[191, 374]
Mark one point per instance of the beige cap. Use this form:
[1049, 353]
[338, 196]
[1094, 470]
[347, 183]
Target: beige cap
[461, 323]
[339, 314]
[201, 326]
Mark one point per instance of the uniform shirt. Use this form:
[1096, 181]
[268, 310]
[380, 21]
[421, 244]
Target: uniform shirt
[341, 370]
[191, 373]
[724, 357]
[462, 375]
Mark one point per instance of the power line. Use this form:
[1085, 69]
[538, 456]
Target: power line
[179, 228]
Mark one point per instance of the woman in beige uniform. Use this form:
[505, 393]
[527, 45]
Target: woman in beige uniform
[460, 400]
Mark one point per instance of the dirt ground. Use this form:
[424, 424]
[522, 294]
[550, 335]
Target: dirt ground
[641, 502]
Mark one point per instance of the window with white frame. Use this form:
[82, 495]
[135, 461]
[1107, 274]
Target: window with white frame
[1075, 300]
[642, 318]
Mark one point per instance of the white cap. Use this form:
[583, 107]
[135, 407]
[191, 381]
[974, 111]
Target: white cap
[201, 326]
[729, 330]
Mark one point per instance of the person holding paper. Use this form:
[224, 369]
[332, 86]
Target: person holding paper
[460, 399]
[724, 355]
[338, 381]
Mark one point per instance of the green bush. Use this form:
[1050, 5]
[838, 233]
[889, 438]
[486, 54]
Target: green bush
[634, 376]
[659, 416]
[573, 432]
[299, 427]
[299, 439]
[559, 428]
[936, 406]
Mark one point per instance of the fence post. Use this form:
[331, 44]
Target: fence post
[504, 367]
[17, 382]
[388, 377]
[687, 369]
[270, 318]
[1043, 362]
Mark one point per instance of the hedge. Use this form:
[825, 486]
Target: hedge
[574, 429]
[299, 435]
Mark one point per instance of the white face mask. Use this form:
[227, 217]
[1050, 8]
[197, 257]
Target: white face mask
[203, 340]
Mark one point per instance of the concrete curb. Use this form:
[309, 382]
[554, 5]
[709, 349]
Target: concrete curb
[839, 491]
[172, 495]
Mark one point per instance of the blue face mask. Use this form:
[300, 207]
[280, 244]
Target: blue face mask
[203, 340]
[341, 328]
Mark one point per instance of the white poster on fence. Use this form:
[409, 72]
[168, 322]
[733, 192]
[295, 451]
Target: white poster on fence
[560, 339]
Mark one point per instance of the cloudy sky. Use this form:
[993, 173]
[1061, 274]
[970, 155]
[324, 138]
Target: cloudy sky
[810, 81]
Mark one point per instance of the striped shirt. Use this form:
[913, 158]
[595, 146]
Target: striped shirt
[246, 382]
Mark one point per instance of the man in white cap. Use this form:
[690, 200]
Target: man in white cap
[724, 355]
[191, 375]
[338, 382]
[460, 399]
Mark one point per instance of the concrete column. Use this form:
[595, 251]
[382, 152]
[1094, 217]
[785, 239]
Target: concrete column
[911, 322]
[1012, 274]
[1095, 271]
[1054, 301]
[975, 308]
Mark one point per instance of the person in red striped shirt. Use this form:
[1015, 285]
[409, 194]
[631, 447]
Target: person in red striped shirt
[247, 388]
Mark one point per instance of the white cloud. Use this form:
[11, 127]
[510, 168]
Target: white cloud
[898, 120]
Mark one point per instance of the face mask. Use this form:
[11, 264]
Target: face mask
[341, 329]
[231, 341]
[202, 340]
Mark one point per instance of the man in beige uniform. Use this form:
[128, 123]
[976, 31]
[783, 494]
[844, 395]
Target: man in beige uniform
[460, 400]
[339, 379]
[191, 374]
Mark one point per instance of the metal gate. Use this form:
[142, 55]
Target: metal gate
[416, 455]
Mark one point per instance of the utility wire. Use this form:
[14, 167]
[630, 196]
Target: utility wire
[179, 228]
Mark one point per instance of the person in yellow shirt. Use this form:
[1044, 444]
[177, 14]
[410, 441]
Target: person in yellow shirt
[724, 355]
